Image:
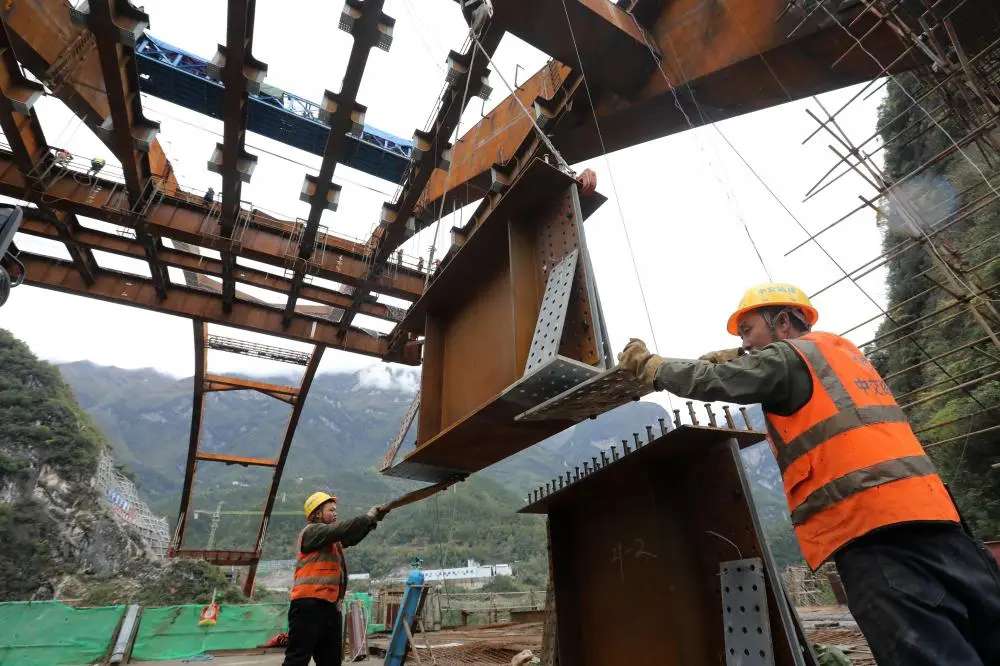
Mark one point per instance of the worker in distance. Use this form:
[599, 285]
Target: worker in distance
[314, 614]
[860, 488]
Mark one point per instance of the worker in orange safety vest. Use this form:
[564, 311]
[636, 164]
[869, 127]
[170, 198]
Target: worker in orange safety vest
[314, 614]
[860, 488]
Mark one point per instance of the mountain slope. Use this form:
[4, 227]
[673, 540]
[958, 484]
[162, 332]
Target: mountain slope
[343, 432]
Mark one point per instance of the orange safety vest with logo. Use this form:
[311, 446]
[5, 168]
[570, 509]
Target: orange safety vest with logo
[848, 458]
[320, 574]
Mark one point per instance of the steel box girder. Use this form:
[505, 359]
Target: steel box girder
[479, 316]
[734, 57]
[662, 540]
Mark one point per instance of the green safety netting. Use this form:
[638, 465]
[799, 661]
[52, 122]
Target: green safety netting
[172, 632]
[50, 633]
[366, 601]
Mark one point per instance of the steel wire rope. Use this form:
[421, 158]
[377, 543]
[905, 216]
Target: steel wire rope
[768, 188]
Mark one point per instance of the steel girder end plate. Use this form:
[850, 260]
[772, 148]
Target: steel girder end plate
[745, 622]
[602, 393]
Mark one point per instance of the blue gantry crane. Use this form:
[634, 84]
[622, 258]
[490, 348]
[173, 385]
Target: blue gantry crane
[183, 78]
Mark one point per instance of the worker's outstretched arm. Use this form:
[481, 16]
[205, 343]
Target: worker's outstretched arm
[347, 532]
[772, 375]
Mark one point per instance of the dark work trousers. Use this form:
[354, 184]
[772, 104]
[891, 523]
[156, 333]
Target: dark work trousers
[924, 594]
[313, 631]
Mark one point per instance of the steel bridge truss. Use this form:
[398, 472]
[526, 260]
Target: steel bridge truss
[205, 382]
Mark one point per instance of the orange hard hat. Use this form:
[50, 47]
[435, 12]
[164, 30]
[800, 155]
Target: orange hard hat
[771, 294]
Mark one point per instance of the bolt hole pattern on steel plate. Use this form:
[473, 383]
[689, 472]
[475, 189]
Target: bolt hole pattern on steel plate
[744, 613]
[552, 313]
[549, 380]
[611, 388]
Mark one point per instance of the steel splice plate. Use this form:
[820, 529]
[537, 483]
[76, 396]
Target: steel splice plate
[556, 377]
[744, 613]
[611, 388]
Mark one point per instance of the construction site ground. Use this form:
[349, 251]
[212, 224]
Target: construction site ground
[496, 644]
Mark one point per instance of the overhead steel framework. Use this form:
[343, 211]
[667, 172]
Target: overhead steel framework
[516, 279]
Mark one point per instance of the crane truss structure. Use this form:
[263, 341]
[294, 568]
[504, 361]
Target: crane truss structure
[510, 318]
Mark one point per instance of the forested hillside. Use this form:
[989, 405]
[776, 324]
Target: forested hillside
[56, 537]
[936, 321]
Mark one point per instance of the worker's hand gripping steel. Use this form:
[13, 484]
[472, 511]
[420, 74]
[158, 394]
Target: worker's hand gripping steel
[637, 360]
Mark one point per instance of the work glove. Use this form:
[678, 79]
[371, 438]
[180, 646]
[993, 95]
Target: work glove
[637, 360]
[377, 513]
[722, 356]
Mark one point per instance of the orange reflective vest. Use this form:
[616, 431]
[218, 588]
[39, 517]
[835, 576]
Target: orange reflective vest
[320, 574]
[848, 458]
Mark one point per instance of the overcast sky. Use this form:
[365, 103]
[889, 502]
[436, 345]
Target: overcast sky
[683, 199]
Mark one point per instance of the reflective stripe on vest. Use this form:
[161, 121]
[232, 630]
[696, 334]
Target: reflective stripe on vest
[319, 574]
[849, 461]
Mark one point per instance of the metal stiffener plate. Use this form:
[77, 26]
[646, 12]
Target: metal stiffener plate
[609, 389]
[552, 313]
[549, 380]
[744, 613]
[404, 427]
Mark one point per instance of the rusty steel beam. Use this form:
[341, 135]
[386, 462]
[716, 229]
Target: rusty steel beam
[24, 133]
[370, 27]
[227, 459]
[194, 437]
[752, 64]
[286, 444]
[241, 74]
[58, 52]
[39, 225]
[182, 301]
[116, 25]
[187, 218]
[493, 140]
[399, 221]
[287, 394]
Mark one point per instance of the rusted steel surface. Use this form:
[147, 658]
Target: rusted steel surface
[286, 444]
[488, 297]
[44, 226]
[204, 382]
[234, 460]
[731, 58]
[222, 383]
[642, 533]
[431, 148]
[345, 115]
[239, 71]
[126, 289]
[24, 134]
[65, 56]
[188, 218]
[492, 140]
[116, 25]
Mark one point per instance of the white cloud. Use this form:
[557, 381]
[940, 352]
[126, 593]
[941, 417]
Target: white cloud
[388, 378]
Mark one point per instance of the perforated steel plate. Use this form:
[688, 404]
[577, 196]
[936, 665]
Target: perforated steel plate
[549, 380]
[607, 390]
[744, 613]
[552, 313]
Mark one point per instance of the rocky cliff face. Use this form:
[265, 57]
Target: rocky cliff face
[57, 538]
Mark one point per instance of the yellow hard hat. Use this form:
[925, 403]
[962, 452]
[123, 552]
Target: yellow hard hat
[768, 294]
[316, 500]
